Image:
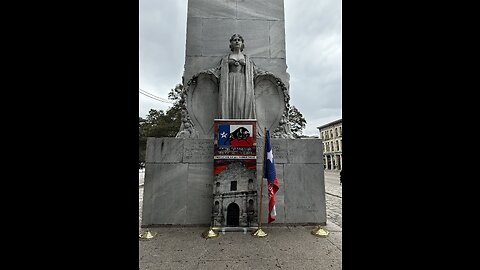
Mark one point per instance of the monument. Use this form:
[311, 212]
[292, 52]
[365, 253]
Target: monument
[236, 83]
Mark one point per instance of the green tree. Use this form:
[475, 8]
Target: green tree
[297, 121]
[159, 123]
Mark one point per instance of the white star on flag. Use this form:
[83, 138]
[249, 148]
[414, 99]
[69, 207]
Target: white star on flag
[223, 134]
[270, 155]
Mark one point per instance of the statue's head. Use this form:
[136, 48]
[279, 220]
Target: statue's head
[235, 38]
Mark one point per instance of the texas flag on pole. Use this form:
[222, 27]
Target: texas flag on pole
[271, 175]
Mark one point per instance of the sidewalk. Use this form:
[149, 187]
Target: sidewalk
[289, 247]
[285, 247]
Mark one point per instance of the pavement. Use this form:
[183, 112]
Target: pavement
[285, 247]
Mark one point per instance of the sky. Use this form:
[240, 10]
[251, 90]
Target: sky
[313, 52]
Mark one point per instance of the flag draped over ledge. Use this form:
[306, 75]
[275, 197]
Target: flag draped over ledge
[271, 175]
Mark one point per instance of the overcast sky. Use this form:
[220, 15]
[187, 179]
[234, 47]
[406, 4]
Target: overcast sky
[313, 51]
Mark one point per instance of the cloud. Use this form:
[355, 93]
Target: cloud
[313, 46]
[313, 53]
[162, 50]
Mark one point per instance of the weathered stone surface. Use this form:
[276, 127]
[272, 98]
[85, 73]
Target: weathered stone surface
[198, 151]
[211, 23]
[165, 198]
[181, 192]
[210, 37]
[266, 10]
[201, 93]
[305, 151]
[277, 39]
[305, 193]
[194, 36]
[256, 35]
[277, 66]
[216, 36]
[164, 150]
[195, 64]
[279, 147]
[269, 102]
[212, 8]
[199, 193]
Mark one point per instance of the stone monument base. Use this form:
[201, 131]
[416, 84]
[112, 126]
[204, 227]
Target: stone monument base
[179, 182]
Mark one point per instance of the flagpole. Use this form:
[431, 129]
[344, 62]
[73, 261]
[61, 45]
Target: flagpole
[259, 232]
[263, 176]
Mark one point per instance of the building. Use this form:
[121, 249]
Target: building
[235, 197]
[331, 135]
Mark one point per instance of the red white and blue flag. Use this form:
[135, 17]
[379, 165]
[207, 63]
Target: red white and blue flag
[235, 135]
[271, 175]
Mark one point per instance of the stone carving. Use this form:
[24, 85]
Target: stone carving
[272, 102]
[187, 129]
[235, 89]
[197, 107]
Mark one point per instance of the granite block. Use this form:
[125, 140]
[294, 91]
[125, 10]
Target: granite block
[277, 66]
[181, 193]
[195, 64]
[279, 149]
[269, 10]
[277, 39]
[256, 36]
[305, 151]
[199, 194]
[148, 194]
[167, 202]
[216, 36]
[164, 150]
[194, 37]
[305, 193]
[198, 151]
[212, 8]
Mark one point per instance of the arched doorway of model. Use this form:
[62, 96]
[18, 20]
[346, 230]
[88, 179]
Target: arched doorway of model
[233, 215]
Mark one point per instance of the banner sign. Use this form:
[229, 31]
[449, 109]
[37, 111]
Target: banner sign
[234, 141]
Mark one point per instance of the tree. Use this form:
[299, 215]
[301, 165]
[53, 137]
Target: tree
[160, 124]
[297, 121]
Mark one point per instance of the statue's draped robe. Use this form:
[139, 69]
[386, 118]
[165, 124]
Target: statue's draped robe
[236, 92]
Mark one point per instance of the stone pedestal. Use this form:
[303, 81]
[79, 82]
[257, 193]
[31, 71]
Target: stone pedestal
[179, 181]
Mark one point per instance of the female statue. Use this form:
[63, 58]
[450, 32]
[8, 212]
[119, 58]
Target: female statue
[235, 77]
[236, 98]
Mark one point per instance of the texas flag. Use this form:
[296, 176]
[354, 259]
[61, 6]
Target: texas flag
[235, 135]
[271, 175]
